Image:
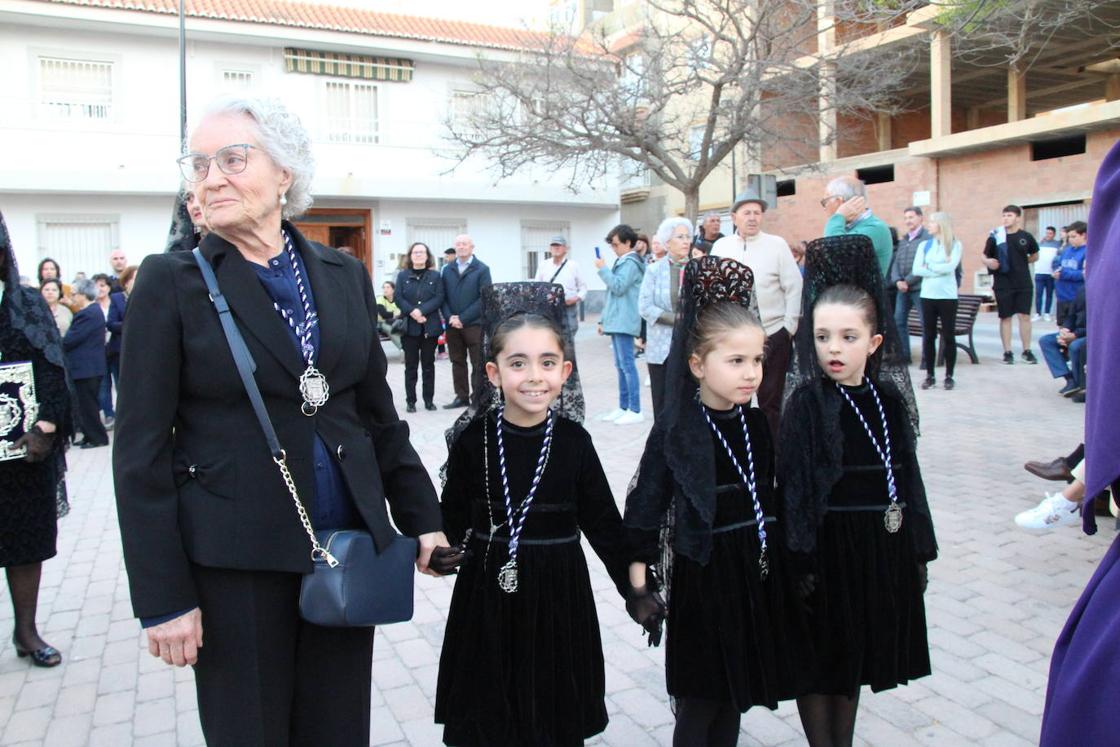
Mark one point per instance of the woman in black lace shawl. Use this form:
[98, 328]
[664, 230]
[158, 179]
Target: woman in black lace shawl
[32, 491]
[860, 544]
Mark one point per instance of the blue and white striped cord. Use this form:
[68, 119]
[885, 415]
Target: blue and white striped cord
[516, 518]
[883, 450]
[748, 480]
[310, 318]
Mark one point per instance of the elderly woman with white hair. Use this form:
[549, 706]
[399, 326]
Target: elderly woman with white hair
[659, 300]
[214, 548]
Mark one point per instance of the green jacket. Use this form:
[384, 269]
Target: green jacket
[871, 227]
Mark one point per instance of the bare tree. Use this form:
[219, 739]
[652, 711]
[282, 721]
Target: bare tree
[1002, 33]
[678, 88]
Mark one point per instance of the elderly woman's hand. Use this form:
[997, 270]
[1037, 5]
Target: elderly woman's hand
[429, 542]
[177, 641]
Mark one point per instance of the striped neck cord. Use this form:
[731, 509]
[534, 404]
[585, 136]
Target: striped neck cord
[748, 480]
[507, 576]
[893, 517]
[310, 318]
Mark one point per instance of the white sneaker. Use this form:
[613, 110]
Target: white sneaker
[1047, 317]
[1054, 511]
[613, 415]
[629, 418]
[1035, 318]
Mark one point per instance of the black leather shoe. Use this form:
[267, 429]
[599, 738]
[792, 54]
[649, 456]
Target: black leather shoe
[1057, 470]
[455, 404]
[948, 383]
[92, 445]
[929, 382]
[430, 406]
[410, 407]
[47, 656]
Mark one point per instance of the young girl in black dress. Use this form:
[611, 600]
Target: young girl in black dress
[706, 480]
[857, 517]
[522, 660]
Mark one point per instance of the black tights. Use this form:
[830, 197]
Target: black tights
[706, 722]
[828, 720]
[23, 585]
[946, 309]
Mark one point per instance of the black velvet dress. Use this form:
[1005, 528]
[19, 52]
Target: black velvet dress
[868, 615]
[29, 491]
[526, 668]
[731, 636]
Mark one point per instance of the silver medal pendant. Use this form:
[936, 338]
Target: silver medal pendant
[313, 386]
[507, 577]
[892, 518]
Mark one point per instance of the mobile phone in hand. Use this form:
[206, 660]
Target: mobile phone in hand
[597, 255]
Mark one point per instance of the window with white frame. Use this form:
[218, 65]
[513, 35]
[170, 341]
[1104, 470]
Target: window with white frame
[696, 142]
[464, 106]
[351, 112]
[79, 243]
[632, 75]
[76, 89]
[437, 233]
[535, 238]
[236, 81]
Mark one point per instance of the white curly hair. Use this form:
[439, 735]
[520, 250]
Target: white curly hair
[285, 140]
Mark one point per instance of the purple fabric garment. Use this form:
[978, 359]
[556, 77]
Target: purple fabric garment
[1084, 685]
[1102, 269]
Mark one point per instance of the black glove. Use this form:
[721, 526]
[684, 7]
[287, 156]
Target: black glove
[646, 607]
[923, 577]
[806, 585]
[38, 444]
[445, 560]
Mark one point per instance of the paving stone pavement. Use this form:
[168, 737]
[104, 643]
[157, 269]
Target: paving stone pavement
[996, 601]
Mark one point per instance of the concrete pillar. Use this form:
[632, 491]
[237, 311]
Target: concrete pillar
[973, 117]
[884, 131]
[1112, 87]
[1016, 95]
[827, 127]
[940, 85]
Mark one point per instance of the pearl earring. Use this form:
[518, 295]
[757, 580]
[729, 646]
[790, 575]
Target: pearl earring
[283, 199]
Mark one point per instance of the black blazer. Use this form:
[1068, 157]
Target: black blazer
[425, 293]
[84, 343]
[462, 294]
[115, 323]
[195, 481]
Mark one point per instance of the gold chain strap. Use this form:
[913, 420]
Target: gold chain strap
[317, 550]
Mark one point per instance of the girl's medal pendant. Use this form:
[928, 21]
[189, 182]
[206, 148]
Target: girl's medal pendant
[892, 518]
[507, 577]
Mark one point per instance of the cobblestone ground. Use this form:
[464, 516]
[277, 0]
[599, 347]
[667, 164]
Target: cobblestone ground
[997, 596]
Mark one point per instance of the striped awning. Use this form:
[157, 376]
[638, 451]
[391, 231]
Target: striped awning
[348, 65]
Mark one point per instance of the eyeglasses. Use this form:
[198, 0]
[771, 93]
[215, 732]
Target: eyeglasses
[830, 198]
[231, 160]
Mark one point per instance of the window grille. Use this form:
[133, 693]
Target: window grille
[351, 110]
[76, 89]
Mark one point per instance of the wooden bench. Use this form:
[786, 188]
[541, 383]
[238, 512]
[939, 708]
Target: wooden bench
[967, 309]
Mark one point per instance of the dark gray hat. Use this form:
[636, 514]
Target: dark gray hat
[558, 240]
[746, 196]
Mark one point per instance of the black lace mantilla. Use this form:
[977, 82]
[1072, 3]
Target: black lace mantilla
[671, 451]
[182, 237]
[501, 301]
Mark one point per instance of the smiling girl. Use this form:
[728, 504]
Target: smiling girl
[858, 520]
[522, 660]
[733, 627]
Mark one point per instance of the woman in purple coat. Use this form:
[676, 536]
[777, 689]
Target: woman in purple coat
[1084, 686]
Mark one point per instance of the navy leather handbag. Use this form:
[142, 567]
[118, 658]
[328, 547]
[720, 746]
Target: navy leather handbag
[352, 585]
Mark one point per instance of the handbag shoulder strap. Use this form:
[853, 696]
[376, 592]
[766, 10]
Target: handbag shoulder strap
[558, 269]
[245, 367]
[241, 355]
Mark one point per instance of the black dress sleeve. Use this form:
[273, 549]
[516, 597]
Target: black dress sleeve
[599, 518]
[647, 501]
[455, 504]
[50, 391]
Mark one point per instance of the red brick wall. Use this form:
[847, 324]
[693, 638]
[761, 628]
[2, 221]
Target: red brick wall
[972, 188]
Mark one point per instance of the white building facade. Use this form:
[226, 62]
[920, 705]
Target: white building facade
[89, 134]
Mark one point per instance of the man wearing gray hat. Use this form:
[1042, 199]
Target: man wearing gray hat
[777, 285]
[565, 271]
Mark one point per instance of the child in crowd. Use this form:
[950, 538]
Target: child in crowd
[522, 660]
[855, 506]
[735, 633]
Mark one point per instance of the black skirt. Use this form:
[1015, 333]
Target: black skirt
[733, 637]
[524, 668]
[868, 616]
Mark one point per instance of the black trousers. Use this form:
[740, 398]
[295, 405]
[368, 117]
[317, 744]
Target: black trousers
[419, 351]
[657, 386]
[774, 366]
[89, 410]
[944, 309]
[460, 344]
[265, 677]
